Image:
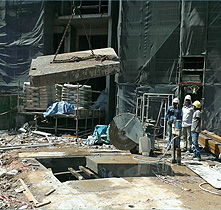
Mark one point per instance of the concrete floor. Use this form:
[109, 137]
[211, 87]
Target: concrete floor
[134, 189]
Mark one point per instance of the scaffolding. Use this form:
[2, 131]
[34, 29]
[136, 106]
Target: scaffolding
[79, 123]
[147, 106]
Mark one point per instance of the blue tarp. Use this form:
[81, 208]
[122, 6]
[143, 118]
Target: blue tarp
[101, 101]
[99, 136]
[62, 107]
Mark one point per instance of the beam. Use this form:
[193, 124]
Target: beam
[88, 172]
[75, 173]
[210, 144]
[212, 136]
[28, 193]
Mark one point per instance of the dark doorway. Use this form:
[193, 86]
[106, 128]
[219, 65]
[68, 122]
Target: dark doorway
[98, 41]
[56, 42]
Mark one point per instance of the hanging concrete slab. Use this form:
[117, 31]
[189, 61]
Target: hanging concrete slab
[73, 67]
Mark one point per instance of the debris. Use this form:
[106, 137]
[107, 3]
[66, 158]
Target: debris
[24, 207]
[22, 130]
[2, 172]
[28, 193]
[25, 146]
[41, 133]
[42, 204]
[19, 189]
[12, 172]
[50, 192]
[8, 198]
[100, 135]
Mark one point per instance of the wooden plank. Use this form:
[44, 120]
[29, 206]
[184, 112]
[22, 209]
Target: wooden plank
[28, 193]
[212, 136]
[75, 173]
[51, 191]
[210, 144]
[62, 173]
[24, 146]
[42, 204]
[41, 133]
[88, 172]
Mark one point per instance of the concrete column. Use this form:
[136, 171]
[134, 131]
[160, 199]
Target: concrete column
[110, 85]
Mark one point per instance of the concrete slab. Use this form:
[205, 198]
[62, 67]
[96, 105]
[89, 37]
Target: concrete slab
[124, 166]
[67, 152]
[132, 196]
[212, 176]
[98, 185]
[43, 181]
[44, 72]
[122, 193]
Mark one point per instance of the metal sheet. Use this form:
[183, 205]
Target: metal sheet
[212, 176]
[44, 72]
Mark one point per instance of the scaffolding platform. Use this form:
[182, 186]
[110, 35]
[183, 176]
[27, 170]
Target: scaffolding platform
[80, 123]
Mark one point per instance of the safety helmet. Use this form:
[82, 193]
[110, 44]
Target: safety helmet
[175, 101]
[187, 97]
[197, 104]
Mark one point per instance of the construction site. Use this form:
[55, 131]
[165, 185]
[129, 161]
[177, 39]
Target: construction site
[86, 88]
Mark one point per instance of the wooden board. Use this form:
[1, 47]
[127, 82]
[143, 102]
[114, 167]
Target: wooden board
[210, 144]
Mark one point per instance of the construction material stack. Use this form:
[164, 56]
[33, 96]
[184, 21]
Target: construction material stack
[79, 95]
[211, 142]
[46, 96]
[58, 92]
[30, 96]
[37, 97]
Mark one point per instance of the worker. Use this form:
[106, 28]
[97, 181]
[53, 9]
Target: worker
[173, 113]
[187, 115]
[196, 128]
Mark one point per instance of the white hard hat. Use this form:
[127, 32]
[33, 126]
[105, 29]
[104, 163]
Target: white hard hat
[176, 100]
[187, 97]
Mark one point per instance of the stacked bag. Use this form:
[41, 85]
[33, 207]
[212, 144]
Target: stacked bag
[37, 97]
[42, 97]
[79, 95]
[58, 92]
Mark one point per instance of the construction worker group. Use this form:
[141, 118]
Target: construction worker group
[189, 118]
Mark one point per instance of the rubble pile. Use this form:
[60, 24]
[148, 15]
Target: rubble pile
[12, 168]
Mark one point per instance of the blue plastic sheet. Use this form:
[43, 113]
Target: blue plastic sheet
[100, 135]
[62, 107]
[101, 101]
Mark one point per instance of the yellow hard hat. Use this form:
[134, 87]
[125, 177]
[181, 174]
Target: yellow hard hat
[197, 104]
